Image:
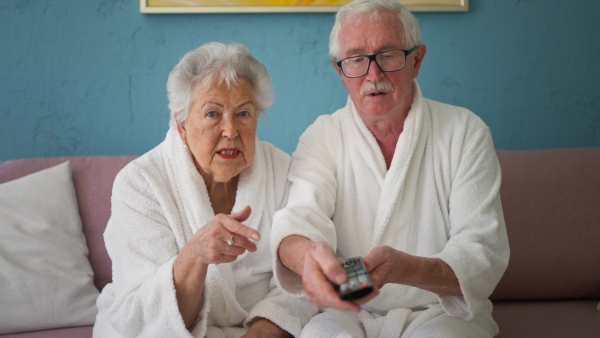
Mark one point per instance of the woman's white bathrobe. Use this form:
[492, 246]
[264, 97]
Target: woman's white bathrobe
[159, 201]
[440, 198]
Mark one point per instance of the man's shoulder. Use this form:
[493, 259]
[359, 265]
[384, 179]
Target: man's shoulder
[448, 115]
[329, 122]
[272, 152]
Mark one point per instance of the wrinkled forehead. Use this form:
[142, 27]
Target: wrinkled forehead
[360, 20]
[373, 31]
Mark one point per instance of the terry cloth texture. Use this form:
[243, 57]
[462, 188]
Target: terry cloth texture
[159, 201]
[439, 198]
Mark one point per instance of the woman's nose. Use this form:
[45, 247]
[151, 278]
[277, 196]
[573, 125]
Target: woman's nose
[230, 129]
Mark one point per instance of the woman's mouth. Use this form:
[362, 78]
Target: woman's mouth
[228, 153]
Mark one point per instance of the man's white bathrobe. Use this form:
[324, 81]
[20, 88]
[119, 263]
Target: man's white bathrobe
[439, 198]
[159, 201]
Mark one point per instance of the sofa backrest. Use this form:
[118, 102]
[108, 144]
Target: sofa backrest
[551, 203]
[93, 178]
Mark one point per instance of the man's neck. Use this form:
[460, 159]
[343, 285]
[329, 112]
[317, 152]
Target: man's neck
[386, 131]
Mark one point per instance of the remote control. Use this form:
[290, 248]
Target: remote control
[359, 282]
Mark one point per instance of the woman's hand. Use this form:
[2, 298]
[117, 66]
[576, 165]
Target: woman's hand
[262, 327]
[209, 245]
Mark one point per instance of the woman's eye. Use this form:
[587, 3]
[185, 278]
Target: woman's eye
[211, 114]
[244, 113]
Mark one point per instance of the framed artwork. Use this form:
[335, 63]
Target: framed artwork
[266, 6]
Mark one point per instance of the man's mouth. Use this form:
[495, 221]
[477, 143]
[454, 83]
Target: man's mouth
[375, 89]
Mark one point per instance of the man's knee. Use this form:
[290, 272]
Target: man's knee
[333, 324]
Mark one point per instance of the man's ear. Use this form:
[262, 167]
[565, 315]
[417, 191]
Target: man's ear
[337, 68]
[419, 56]
[182, 132]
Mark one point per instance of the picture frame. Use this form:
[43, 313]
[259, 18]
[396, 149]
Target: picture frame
[281, 6]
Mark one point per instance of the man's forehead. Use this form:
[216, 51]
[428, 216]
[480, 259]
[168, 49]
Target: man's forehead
[360, 34]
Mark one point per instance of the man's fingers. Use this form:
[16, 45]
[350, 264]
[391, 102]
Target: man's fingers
[321, 291]
[328, 263]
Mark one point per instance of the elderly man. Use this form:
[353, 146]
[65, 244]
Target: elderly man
[410, 184]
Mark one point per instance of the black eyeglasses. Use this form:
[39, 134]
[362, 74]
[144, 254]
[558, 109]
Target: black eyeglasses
[388, 61]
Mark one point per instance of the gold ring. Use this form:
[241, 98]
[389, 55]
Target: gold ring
[230, 241]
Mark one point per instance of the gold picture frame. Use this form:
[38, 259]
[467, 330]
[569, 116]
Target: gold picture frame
[283, 6]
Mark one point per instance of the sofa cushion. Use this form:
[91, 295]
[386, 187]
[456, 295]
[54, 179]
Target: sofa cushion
[551, 202]
[93, 177]
[46, 280]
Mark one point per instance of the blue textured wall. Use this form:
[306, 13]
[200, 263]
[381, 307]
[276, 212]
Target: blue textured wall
[88, 77]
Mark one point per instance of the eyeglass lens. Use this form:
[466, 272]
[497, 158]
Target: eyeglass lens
[388, 62]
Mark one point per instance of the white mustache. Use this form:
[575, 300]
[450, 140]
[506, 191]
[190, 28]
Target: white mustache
[383, 85]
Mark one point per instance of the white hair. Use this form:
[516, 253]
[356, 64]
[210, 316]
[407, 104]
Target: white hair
[372, 9]
[212, 63]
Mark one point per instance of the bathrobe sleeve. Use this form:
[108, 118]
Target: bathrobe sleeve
[288, 312]
[312, 197]
[477, 249]
[142, 248]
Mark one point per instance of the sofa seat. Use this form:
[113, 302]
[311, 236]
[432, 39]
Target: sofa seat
[67, 332]
[547, 319]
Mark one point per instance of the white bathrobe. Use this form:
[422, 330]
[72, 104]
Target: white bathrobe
[439, 198]
[159, 201]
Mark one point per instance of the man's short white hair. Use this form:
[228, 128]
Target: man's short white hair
[372, 9]
[214, 63]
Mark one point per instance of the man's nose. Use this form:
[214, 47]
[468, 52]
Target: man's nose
[374, 72]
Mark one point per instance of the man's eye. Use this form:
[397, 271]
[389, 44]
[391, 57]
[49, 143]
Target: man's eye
[357, 60]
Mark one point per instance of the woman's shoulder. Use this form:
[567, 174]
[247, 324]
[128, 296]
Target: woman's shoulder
[146, 167]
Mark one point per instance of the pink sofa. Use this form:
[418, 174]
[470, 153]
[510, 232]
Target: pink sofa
[551, 201]
[93, 178]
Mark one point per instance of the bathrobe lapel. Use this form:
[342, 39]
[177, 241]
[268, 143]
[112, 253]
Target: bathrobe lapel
[196, 211]
[393, 186]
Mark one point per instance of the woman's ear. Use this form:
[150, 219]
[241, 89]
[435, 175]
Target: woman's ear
[182, 133]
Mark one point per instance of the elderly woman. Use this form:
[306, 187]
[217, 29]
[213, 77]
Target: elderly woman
[188, 217]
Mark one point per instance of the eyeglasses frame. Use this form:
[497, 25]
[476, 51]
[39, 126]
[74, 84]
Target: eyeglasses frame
[373, 57]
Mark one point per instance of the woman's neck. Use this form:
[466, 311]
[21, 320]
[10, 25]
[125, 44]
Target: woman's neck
[222, 195]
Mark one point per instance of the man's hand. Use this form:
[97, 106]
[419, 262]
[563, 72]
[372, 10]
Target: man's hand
[387, 265]
[261, 327]
[321, 272]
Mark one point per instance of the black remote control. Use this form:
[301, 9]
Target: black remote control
[359, 282]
